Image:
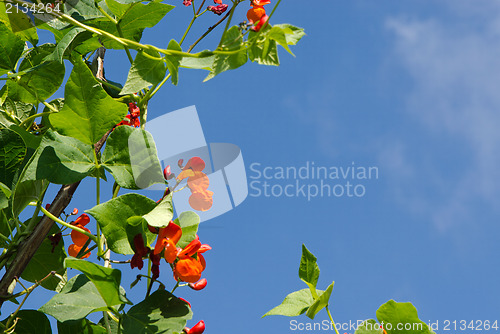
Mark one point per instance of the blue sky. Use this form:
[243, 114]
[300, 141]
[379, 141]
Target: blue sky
[408, 87]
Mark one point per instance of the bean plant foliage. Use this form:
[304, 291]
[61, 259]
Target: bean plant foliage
[52, 141]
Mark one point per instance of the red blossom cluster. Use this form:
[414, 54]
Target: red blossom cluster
[133, 118]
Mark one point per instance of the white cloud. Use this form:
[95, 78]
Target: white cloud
[455, 65]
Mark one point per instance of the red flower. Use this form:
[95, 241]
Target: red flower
[155, 267]
[133, 118]
[198, 182]
[187, 2]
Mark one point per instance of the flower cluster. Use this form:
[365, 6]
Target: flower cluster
[79, 239]
[187, 264]
[133, 118]
[198, 182]
[257, 14]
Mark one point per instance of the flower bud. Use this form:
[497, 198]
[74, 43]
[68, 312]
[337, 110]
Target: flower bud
[219, 9]
[167, 173]
[200, 285]
[198, 328]
[74, 212]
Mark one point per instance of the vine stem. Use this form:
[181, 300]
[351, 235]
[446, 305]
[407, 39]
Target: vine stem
[331, 319]
[63, 223]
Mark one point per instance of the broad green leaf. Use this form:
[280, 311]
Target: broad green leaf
[14, 112]
[82, 9]
[277, 34]
[5, 194]
[294, 304]
[264, 51]
[173, 62]
[12, 152]
[32, 141]
[19, 23]
[77, 299]
[56, 103]
[233, 40]
[26, 192]
[11, 48]
[145, 71]
[308, 269]
[63, 44]
[320, 303]
[160, 313]
[189, 223]
[47, 258]
[293, 34]
[130, 155]
[83, 326]
[88, 112]
[369, 327]
[31, 322]
[106, 280]
[204, 63]
[41, 79]
[112, 217]
[120, 7]
[162, 214]
[60, 160]
[134, 21]
[403, 315]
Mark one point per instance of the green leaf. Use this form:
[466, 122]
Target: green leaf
[5, 194]
[31, 322]
[46, 259]
[293, 34]
[112, 217]
[82, 9]
[265, 51]
[106, 280]
[369, 327]
[134, 21]
[11, 48]
[88, 111]
[26, 192]
[77, 299]
[145, 71]
[17, 111]
[41, 79]
[321, 302]
[160, 313]
[403, 315]
[173, 62]
[60, 159]
[63, 44]
[233, 40]
[130, 155]
[12, 152]
[189, 223]
[19, 23]
[204, 63]
[294, 304]
[120, 7]
[83, 326]
[32, 141]
[277, 34]
[162, 214]
[308, 269]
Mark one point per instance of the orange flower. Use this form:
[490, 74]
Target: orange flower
[191, 263]
[79, 239]
[198, 182]
[255, 13]
[168, 237]
[260, 2]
